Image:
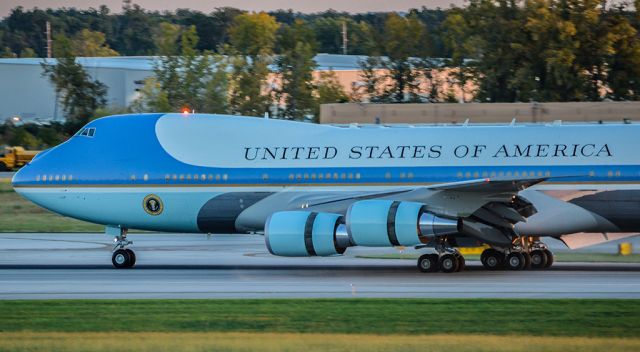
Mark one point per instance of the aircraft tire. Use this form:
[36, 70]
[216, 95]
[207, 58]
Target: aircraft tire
[449, 263]
[492, 259]
[527, 260]
[428, 263]
[461, 262]
[515, 261]
[538, 259]
[132, 255]
[121, 259]
[550, 258]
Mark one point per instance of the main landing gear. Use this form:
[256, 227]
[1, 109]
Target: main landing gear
[525, 253]
[122, 257]
[447, 260]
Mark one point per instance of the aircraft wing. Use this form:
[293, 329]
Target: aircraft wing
[489, 185]
[491, 201]
[456, 199]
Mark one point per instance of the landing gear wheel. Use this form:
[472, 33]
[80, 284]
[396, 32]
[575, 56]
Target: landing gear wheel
[132, 254]
[515, 261]
[550, 258]
[449, 263]
[428, 263]
[492, 259]
[461, 262]
[121, 259]
[538, 259]
[527, 261]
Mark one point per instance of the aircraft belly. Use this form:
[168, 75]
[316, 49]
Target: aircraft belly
[219, 214]
[125, 207]
[571, 211]
[622, 208]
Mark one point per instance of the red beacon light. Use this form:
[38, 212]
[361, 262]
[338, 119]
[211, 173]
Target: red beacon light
[185, 111]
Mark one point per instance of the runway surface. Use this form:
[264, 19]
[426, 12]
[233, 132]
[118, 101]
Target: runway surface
[46, 266]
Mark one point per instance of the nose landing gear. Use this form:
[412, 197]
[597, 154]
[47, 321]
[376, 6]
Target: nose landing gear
[122, 257]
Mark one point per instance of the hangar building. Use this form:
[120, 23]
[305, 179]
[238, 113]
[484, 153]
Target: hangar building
[26, 94]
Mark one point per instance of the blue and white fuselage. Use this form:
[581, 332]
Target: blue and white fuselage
[215, 173]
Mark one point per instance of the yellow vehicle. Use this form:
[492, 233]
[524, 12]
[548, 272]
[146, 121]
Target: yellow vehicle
[15, 157]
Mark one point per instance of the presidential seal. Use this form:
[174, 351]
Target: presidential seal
[152, 205]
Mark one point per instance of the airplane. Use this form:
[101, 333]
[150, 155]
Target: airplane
[316, 190]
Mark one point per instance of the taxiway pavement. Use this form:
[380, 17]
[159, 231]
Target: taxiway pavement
[50, 266]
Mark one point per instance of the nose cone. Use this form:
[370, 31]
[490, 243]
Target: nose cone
[23, 177]
[22, 180]
[29, 175]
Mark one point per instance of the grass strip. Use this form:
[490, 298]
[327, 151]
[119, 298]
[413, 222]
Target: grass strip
[19, 215]
[563, 317]
[158, 342]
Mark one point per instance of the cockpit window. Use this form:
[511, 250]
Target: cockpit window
[87, 132]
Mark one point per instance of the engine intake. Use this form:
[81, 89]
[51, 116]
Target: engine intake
[383, 223]
[304, 233]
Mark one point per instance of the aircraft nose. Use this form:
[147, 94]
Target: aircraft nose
[30, 174]
[22, 177]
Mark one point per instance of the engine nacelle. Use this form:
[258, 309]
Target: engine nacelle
[304, 233]
[383, 223]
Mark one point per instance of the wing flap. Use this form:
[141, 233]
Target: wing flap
[586, 239]
[488, 185]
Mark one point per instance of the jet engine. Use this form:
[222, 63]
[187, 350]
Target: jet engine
[304, 233]
[383, 223]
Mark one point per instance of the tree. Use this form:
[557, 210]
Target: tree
[404, 38]
[457, 37]
[253, 34]
[296, 66]
[252, 39]
[623, 76]
[79, 94]
[370, 88]
[132, 32]
[152, 98]
[27, 52]
[183, 77]
[22, 137]
[329, 90]
[88, 43]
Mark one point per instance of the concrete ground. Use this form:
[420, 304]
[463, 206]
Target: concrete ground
[44, 266]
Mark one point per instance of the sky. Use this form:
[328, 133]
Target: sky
[207, 6]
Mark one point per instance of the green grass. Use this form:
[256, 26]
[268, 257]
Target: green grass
[566, 317]
[558, 257]
[19, 215]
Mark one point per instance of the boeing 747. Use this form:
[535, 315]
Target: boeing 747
[316, 190]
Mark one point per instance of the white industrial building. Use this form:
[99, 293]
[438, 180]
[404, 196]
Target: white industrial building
[25, 93]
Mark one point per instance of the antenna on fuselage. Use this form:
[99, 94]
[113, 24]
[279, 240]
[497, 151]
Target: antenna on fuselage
[266, 115]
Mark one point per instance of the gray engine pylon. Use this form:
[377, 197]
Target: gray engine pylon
[485, 233]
